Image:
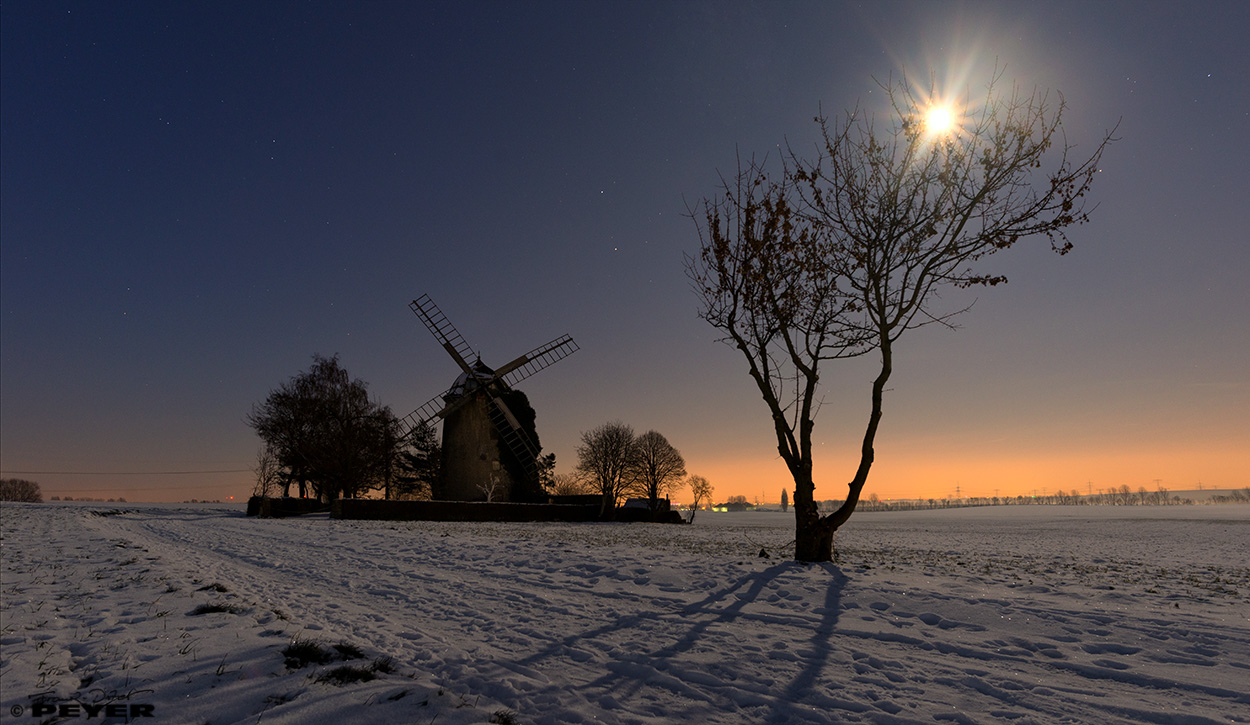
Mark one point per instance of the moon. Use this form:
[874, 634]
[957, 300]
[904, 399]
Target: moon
[939, 120]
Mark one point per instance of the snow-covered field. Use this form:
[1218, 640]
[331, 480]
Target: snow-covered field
[1022, 615]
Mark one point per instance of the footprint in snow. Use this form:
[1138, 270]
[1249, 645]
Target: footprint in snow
[1112, 664]
[1110, 647]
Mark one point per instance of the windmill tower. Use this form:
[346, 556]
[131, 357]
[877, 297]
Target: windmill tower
[481, 429]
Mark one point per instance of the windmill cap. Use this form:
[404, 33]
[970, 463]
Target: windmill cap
[466, 383]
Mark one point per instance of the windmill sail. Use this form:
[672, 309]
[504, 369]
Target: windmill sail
[536, 359]
[436, 407]
[442, 329]
[514, 436]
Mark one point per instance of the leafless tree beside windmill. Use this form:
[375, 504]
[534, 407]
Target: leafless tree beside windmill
[490, 447]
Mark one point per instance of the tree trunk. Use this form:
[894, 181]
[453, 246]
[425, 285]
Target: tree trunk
[813, 540]
[813, 536]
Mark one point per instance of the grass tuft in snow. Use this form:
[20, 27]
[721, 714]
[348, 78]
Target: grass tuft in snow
[214, 587]
[385, 665]
[347, 674]
[503, 717]
[344, 674]
[303, 652]
[214, 609]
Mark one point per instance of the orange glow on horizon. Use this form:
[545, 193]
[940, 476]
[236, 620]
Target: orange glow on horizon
[913, 469]
[923, 474]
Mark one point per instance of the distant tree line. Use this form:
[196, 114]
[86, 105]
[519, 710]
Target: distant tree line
[87, 499]
[20, 490]
[1241, 496]
[736, 504]
[1121, 496]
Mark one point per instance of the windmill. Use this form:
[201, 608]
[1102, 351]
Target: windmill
[478, 421]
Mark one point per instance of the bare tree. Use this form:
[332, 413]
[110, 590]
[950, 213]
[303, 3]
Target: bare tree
[837, 257]
[702, 492]
[21, 490]
[656, 468]
[603, 457]
[268, 472]
[492, 488]
[571, 484]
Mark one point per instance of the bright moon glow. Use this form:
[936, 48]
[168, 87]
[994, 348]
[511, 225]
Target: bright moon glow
[939, 120]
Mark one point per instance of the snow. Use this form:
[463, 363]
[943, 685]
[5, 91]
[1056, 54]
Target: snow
[1014, 614]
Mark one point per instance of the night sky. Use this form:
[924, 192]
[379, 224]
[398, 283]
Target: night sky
[198, 197]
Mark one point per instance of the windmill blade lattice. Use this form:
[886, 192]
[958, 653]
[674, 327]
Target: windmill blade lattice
[437, 407]
[442, 329]
[514, 436]
[536, 359]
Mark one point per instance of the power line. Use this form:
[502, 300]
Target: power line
[106, 489]
[120, 473]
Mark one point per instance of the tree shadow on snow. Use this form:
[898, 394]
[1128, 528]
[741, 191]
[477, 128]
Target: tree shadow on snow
[637, 671]
[786, 708]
